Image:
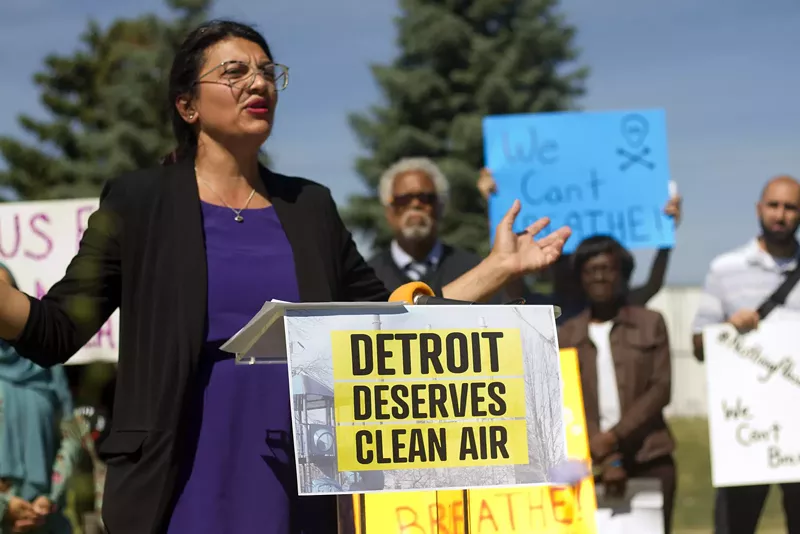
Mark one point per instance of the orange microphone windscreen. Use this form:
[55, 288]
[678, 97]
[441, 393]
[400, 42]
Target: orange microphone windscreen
[407, 292]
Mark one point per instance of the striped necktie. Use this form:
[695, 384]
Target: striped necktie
[417, 270]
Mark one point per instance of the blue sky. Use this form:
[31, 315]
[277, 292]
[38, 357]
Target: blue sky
[726, 71]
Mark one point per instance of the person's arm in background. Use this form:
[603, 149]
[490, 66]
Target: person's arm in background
[87, 418]
[641, 295]
[710, 311]
[71, 434]
[486, 184]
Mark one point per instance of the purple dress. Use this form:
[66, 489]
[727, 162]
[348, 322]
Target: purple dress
[238, 475]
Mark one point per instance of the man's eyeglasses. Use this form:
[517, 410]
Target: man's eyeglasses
[401, 201]
[241, 75]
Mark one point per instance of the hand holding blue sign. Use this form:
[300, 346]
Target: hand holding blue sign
[673, 208]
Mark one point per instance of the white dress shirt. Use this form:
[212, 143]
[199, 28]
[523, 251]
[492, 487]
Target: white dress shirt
[607, 391]
[414, 269]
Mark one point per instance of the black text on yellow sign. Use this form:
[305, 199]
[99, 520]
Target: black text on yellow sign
[424, 354]
[410, 400]
[358, 402]
[374, 447]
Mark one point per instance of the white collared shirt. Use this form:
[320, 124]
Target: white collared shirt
[412, 268]
[742, 279]
[607, 390]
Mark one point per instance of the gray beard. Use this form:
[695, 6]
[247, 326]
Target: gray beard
[416, 233]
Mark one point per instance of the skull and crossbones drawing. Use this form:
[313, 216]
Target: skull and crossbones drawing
[634, 131]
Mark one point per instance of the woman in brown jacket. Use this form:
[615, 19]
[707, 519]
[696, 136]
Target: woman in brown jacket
[625, 367]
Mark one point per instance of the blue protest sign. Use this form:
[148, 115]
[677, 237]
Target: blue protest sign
[596, 172]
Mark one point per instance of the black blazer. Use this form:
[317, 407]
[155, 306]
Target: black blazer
[144, 253]
[452, 265]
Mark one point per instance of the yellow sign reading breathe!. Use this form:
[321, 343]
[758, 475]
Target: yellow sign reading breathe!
[512, 510]
[438, 398]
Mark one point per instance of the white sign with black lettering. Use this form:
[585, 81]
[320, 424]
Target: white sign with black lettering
[753, 396]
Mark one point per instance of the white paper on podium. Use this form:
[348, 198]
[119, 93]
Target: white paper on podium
[263, 338]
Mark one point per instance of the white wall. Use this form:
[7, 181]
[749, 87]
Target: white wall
[678, 305]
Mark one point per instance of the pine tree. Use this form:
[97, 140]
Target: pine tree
[106, 104]
[460, 60]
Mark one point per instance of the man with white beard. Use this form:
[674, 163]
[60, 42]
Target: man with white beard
[414, 193]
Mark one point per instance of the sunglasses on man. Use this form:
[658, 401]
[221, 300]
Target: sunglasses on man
[402, 201]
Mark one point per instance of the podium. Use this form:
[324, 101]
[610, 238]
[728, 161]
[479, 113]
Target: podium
[397, 409]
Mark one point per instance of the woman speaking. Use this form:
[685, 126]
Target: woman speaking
[189, 252]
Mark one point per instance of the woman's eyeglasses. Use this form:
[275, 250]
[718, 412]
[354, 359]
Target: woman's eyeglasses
[241, 75]
[401, 201]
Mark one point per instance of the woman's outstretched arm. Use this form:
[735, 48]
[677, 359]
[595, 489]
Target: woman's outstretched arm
[49, 331]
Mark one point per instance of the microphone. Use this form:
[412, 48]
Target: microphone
[420, 293]
[427, 299]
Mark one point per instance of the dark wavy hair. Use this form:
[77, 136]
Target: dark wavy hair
[186, 65]
[602, 244]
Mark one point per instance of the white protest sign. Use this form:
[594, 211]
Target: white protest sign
[424, 397]
[753, 395]
[37, 242]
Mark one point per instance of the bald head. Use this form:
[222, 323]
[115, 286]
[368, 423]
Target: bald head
[782, 182]
[779, 210]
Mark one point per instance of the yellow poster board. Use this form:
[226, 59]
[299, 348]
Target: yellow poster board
[415, 421]
[517, 510]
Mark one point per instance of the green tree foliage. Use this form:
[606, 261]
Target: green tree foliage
[106, 106]
[459, 61]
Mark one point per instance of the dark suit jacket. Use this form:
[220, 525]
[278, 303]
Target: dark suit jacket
[454, 263]
[641, 353]
[144, 253]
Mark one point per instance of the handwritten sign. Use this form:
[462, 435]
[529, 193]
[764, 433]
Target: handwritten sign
[596, 172]
[424, 399]
[518, 510]
[753, 394]
[37, 242]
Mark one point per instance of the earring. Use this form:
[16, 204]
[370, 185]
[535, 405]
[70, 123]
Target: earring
[191, 115]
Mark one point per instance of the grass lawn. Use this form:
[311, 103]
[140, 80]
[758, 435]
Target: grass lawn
[695, 499]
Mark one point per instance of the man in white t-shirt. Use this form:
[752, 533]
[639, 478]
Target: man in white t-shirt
[737, 284]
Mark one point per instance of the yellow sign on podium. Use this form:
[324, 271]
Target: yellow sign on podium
[517, 510]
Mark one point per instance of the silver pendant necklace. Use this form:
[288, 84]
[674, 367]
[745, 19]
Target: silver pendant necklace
[237, 213]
